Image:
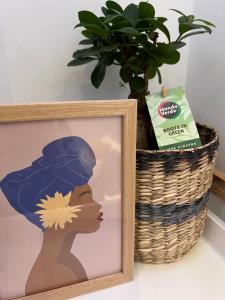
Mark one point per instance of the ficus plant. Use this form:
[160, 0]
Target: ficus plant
[131, 39]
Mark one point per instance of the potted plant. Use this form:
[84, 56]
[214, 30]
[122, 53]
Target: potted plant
[131, 39]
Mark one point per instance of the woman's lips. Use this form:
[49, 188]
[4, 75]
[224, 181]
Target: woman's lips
[100, 217]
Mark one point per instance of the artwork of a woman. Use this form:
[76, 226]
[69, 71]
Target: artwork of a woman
[53, 193]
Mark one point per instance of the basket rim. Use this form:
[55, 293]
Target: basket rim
[191, 150]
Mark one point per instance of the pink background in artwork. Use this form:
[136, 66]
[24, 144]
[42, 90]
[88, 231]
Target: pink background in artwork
[100, 252]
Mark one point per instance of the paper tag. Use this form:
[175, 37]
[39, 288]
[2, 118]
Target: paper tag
[173, 121]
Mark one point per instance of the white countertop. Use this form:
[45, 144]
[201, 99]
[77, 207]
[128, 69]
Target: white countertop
[200, 275]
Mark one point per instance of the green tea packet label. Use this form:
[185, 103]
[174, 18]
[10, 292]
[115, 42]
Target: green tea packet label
[173, 121]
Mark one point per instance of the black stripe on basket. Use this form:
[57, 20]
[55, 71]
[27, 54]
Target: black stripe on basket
[170, 214]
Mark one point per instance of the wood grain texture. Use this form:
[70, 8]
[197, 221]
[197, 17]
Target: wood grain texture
[79, 288]
[64, 110]
[219, 174]
[129, 190]
[127, 109]
[218, 186]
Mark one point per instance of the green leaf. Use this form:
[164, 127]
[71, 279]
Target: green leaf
[87, 17]
[102, 19]
[98, 75]
[178, 44]
[120, 57]
[207, 28]
[131, 13]
[80, 61]
[148, 23]
[114, 6]
[125, 73]
[146, 10]
[186, 19]
[135, 64]
[87, 34]
[190, 18]
[167, 54]
[163, 28]
[86, 52]
[150, 50]
[78, 25]
[128, 30]
[142, 38]
[184, 27]
[96, 30]
[179, 12]
[152, 71]
[111, 19]
[144, 24]
[161, 19]
[138, 84]
[93, 51]
[107, 58]
[182, 20]
[109, 48]
[152, 65]
[86, 42]
[120, 24]
[105, 11]
[154, 61]
[205, 22]
[159, 76]
[192, 33]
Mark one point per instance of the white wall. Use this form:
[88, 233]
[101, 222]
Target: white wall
[206, 72]
[37, 42]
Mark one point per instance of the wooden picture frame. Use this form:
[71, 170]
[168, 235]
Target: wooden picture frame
[126, 109]
[218, 185]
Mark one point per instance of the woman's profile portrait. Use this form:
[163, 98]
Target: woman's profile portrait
[54, 194]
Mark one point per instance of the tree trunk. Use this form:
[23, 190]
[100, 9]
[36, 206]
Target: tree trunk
[145, 133]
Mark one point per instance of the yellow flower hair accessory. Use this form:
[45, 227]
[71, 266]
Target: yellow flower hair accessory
[56, 211]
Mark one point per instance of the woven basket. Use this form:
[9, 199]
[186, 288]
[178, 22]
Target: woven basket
[172, 196]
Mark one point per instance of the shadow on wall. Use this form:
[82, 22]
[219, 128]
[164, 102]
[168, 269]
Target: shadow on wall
[206, 73]
[80, 78]
[109, 89]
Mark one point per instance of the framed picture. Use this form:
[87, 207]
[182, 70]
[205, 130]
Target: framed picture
[67, 197]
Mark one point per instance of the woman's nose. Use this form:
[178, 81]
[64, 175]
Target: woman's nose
[99, 206]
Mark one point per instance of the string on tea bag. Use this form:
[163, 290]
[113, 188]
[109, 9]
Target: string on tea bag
[164, 92]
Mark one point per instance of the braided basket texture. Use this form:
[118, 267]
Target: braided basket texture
[171, 200]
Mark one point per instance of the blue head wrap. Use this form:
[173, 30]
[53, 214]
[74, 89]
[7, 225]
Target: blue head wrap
[66, 163]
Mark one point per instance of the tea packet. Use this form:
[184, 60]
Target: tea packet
[172, 120]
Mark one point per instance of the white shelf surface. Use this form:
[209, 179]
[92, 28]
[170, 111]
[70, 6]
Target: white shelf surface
[200, 275]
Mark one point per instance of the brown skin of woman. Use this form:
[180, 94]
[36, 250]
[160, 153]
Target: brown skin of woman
[56, 266]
